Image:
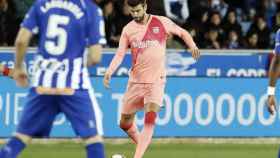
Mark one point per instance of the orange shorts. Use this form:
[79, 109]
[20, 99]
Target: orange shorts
[139, 94]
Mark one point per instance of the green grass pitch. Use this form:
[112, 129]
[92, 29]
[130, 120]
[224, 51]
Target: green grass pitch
[157, 150]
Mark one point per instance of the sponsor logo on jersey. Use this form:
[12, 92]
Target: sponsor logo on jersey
[145, 44]
[155, 30]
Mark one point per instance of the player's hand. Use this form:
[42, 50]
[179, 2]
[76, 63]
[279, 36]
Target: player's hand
[20, 75]
[1, 68]
[271, 104]
[106, 80]
[195, 53]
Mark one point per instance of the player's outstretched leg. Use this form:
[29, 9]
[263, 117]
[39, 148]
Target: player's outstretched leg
[95, 147]
[14, 146]
[146, 134]
[128, 125]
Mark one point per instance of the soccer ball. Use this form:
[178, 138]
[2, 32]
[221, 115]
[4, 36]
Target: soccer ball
[117, 156]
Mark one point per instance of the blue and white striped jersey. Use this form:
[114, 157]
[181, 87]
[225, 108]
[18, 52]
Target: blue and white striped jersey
[65, 29]
[277, 42]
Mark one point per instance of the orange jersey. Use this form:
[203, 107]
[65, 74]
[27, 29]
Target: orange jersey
[148, 47]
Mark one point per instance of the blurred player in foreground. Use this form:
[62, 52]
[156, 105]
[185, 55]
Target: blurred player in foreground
[274, 72]
[146, 35]
[60, 81]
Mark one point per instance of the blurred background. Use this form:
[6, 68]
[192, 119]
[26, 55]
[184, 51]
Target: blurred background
[214, 24]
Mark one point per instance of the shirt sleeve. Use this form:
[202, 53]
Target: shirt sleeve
[174, 29]
[119, 56]
[96, 26]
[30, 21]
[277, 43]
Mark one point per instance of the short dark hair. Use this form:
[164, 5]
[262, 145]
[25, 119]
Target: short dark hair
[133, 3]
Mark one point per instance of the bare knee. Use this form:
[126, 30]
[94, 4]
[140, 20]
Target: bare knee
[126, 121]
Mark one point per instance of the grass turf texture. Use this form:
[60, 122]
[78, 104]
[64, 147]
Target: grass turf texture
[172, 150]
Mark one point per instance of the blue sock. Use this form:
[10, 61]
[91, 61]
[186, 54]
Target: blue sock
[95, 150]
[12, 148]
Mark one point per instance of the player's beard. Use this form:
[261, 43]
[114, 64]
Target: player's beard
[139, 19]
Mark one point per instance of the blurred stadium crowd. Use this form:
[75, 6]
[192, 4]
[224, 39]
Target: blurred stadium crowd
[214, 24]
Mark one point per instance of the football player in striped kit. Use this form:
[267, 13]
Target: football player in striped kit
[60, 81]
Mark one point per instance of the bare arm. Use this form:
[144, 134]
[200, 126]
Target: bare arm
[274, 70]
[1, 68]
[94, 55]
[22, 41]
